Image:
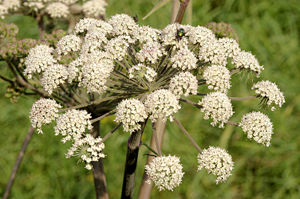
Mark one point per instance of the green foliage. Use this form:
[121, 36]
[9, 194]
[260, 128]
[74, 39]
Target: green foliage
[270, 29]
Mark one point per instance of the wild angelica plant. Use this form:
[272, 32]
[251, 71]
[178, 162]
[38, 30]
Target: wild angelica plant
[139, 74]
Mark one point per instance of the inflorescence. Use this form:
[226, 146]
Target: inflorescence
[138, 72]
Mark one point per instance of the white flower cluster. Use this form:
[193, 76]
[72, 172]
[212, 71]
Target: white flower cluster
[169, 35]
[165, 171]
[216, 161]
[258, 127]
[230, 46]
[117, 47]
[217, 78]
[12, 4]
[38, 60]
[53, 76]
[95, 72]
[88, 148]
[216, 106]
[213, 53]
[57, 10]
[142, 71]
[161, 104]
[84, 24]
[122, 25]
[73, 124]
[131, 113]
[184, 59]
[245, 60]
[43, 111]
[151, 52]
[200, 35]
[94, 8]
[184, 83]
[69, 43]
[271, 91]
[146, 34]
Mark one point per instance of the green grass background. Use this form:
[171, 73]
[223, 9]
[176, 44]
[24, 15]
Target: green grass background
[268, 28]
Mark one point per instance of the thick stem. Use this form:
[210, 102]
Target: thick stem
[18, 163]
[183, 6]
[98, 170]
[158, 129]
[133, 146]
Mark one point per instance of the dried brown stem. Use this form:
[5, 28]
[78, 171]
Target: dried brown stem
[18, 163]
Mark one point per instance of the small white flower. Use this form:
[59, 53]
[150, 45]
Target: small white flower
[3, 11]
[95, 72]
[43, 111]
[213, 52]
[151, 52]
[53, 76]
[271, 91]
[216, 161]
[58, 10]
[200, 35]
[165, 171]
[69, 43]
[117, 47]
[216, 106]
[131, 112]
[258, 127]
[73, 124]
[169, 35]
[146, 34]
[36, 6]
[94, 8]
[184, 59]
[38, 60]
[217, 78]
[88, 148]
[122, 25]
[231, 47]
[184, 83]
[245, 60]
[73, 69]
[12, 4]
[84, 24]
[161, 104]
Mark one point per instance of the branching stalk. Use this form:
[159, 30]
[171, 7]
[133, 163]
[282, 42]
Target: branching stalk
[187, 135]
[243, 98]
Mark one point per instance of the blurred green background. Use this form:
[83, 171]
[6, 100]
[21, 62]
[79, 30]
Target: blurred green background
[268, 28]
